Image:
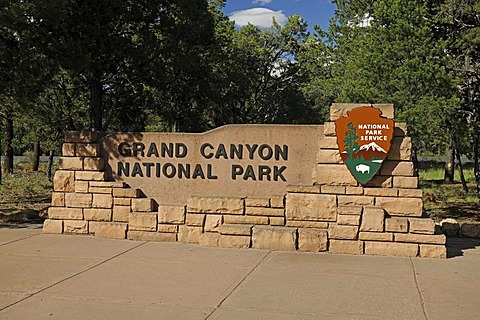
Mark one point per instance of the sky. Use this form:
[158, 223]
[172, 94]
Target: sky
[260, 12]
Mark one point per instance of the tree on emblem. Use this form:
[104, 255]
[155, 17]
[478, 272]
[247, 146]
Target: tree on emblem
[350, 141]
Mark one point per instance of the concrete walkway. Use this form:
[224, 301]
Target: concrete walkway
[82, 277]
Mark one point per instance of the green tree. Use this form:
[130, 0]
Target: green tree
[351, 140]
[459, 26]
[91, 39]
[23, 69]
[128, 53]
[177, 69]
[256, 76]
[387, 51]
[315, 60]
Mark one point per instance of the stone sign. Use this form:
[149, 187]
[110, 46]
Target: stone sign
[274, 187]
[234, 160]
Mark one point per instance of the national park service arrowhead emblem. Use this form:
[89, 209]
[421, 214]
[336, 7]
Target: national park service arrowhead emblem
[363, 139]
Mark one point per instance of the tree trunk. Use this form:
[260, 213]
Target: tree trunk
[477, 174]
[36, 155]
[416, 164]
[476, 155]
[96, 105]
[449, 165]
[1, 171]
[460, 171]
[8, 146]
[50, 165]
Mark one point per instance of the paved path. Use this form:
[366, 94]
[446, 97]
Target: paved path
[82, 277]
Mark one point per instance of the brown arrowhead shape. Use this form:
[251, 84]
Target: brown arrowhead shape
[364, 138]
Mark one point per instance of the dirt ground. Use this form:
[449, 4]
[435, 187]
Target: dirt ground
[461, 212]
[24, 210]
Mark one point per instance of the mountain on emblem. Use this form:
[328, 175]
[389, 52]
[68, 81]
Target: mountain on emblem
[363, 139]
[373, 146]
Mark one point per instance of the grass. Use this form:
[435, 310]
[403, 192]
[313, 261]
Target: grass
[25, 188]
[448, 200]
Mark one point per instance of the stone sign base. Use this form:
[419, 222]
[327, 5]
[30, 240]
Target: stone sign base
[334, 213]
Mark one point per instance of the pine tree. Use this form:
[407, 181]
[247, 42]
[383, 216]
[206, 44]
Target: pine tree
[387, 51]
[351, 140]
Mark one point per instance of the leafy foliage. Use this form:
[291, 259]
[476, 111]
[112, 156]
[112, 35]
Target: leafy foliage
[257, 79]
[386, 51]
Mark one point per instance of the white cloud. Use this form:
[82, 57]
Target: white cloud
[260, 17]
[262, 2]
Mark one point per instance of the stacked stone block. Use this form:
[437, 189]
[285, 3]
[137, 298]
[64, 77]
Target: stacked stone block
[237, 222]
[333, 214]
[382, 217]
[84, 202]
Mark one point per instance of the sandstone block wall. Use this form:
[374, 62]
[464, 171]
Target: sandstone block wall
[333, 214]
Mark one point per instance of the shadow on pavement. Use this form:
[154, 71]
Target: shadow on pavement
[456, 246]
[27, 225]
